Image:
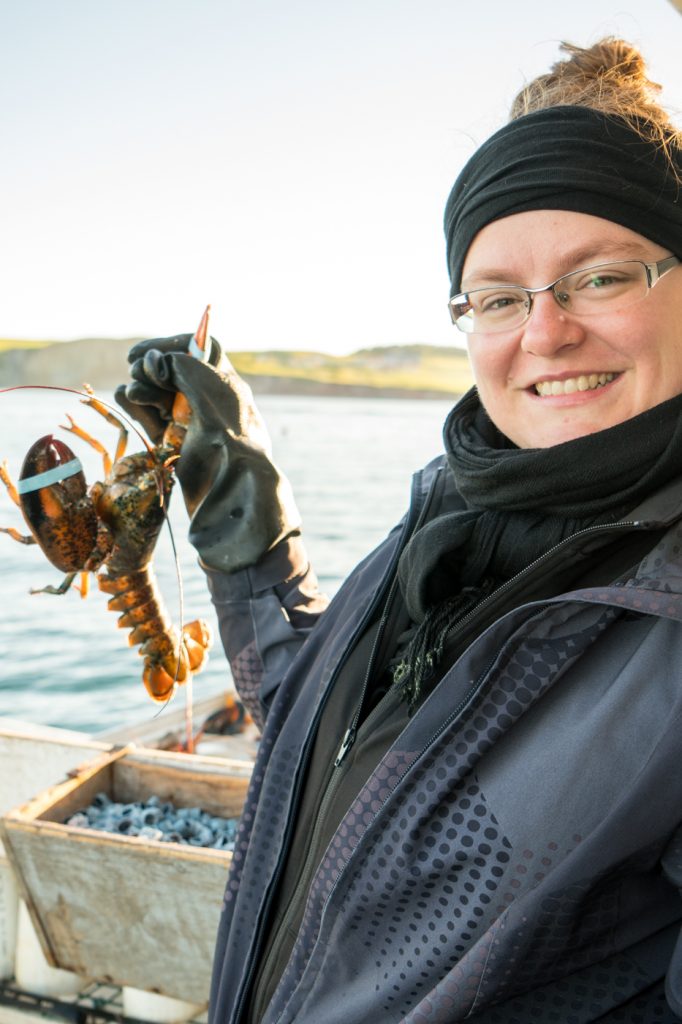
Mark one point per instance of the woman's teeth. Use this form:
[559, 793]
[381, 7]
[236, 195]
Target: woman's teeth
[567, 387]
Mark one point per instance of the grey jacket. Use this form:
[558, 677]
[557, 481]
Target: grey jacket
[516, 855]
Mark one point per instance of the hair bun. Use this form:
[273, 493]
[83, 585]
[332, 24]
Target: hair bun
[612, 61]
[611, 77]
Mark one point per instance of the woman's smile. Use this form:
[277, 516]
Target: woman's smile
[559, 376]
[570, 385]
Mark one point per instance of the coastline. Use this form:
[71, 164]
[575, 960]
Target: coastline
[411, 371]
[264, 385]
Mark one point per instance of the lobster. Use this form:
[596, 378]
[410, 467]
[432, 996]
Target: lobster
[111, 530]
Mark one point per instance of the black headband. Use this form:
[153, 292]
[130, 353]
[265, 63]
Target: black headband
[565, 158]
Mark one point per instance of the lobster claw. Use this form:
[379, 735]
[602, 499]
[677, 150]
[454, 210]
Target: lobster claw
[56, 505]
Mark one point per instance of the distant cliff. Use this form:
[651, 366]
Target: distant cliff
[97, 361]
[425, 371]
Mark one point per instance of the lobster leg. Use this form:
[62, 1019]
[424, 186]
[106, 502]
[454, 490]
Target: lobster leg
[73, 428]
[61, 589]
[9, 483]
[95, 404]
[99, 408]
[14, 495]
[23, 538]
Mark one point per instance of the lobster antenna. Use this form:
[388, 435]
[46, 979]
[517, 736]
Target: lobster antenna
[200, 348]
[181, 609]
[82, 394]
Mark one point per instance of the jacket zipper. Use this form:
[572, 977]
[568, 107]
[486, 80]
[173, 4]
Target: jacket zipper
[351, 732]
[335, 779]
[477, 686]
[350, 735]
[311, 859]
[412, 521]
[547, 556]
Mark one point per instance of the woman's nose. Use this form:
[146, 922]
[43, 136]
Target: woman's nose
[550, 329]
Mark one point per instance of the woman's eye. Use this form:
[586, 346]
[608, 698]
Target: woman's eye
[600, 281]
[603, 279]
[498, 302]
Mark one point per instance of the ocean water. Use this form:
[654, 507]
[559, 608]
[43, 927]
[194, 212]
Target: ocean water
[64, 662]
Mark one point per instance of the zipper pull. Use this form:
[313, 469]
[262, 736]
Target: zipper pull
[346, 744]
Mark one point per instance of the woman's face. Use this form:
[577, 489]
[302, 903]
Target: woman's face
[640, 348]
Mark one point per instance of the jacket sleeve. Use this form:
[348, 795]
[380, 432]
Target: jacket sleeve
[265, 613]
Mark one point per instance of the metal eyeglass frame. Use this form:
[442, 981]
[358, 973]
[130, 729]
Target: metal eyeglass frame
[654, 272]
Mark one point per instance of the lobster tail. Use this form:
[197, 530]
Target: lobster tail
[197, 639]
[157, 682]
[169, 657]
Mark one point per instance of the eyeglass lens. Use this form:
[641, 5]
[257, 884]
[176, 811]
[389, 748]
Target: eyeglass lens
[594, 289]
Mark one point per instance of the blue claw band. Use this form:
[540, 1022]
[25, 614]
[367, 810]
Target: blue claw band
[199, 353]
[50, 476]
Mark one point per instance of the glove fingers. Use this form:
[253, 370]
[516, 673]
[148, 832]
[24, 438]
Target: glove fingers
[146, 391]
[157, 368]
[146, 394]
[178, 343]
[146, 415]
[216, 400]
[137, 372]
[150, 395]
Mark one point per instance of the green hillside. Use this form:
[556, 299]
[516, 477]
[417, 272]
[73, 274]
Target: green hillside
[394, 370]
[6, 343]
[402, 367]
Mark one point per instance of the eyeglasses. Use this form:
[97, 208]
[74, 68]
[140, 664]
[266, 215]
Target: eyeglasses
[606, 287]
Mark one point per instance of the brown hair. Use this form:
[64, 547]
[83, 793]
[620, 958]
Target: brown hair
[610, 76]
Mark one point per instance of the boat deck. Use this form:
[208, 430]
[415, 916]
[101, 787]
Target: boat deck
[36, 758]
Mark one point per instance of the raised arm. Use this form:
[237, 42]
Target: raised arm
[244, 522]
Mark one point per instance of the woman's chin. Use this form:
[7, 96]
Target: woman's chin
[548, 427]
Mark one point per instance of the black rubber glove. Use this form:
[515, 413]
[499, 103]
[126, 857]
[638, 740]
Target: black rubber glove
[143, 399]
[240, 505]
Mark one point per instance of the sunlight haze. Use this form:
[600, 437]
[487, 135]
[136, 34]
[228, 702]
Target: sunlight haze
[287, 162]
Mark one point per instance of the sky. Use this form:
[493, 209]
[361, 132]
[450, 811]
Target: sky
[287, 161]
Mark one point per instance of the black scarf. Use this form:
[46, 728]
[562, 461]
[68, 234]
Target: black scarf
[510, 505]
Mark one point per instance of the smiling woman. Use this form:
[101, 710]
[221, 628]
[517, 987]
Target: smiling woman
[598, 350]
[580, 189]
[467, 802]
